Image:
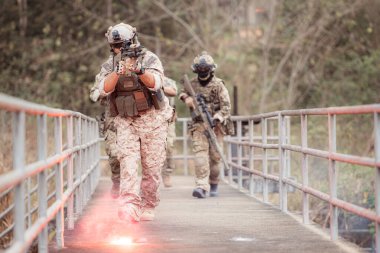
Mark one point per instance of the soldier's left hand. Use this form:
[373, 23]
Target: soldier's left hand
[217, 117]
[133, 65]
[94, 95]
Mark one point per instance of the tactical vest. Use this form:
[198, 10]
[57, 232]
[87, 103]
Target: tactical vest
[211, 99]
[131, 97]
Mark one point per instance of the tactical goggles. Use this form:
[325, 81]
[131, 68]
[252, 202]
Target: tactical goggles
[117, 45]
[202, 67]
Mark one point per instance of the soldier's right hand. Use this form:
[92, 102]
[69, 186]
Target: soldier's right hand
[94, 95]
[189, 102]
[120, 68]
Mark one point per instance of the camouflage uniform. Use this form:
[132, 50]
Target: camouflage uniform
[108, 129]
[141, 137]
[169, 163]
[207, 160]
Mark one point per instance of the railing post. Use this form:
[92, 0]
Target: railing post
[185, 152]
[239, 154]
[264, 133]
[92, 157]
[18, 128]
[78, 167]
[287, 141]
[305, 170]
[88, 163]
[229, 159]
[29, 201]
[97, 153]
[377, 194]
[270, 125]
[251, 161]
[333, 177]
[89, 158]
[42, 184]
[83, 165]
[84, 161]
[59, 219]
[70, 176]
[282, 164]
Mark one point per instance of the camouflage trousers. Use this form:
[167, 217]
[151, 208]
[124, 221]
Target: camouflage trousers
[169, 162]
[207, 160]
[141, 138]
[111, 150]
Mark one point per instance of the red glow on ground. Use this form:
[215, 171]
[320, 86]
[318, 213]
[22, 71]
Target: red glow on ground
[124, 241]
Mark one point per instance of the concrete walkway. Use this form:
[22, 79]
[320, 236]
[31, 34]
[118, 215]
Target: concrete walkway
[232, 222]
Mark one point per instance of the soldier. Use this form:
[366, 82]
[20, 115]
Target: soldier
[133, 86]
[207, 160]
[170, 90]
[108, 130]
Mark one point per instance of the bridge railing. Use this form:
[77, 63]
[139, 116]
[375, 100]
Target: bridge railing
[55, 187]
[247, 139]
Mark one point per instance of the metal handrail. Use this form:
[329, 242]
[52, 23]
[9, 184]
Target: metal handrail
[282, 121]
[82, 173]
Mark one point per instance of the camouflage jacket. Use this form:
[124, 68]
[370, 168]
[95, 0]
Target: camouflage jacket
[151, 64]
[216, 96]
[172, 84]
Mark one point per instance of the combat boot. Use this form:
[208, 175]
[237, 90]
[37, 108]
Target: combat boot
[199, 193]
[147, 215]
[115, 190]
[166, 180]
[213, 190]
[128, 215]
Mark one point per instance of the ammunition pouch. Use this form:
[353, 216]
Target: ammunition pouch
[130, 98]
[125, 105]
[158, 99]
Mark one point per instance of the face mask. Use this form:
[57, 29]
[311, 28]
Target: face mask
[203, 75]
[205, 80]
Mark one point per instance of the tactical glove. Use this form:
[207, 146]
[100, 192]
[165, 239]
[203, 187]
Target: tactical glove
[189, 102]
[135, 67]
[94, 95]
[218, 117]
[120, 68]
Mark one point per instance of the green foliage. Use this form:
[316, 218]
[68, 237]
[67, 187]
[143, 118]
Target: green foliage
[54, 58]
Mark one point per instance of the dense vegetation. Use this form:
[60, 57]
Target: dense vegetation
[280, 54]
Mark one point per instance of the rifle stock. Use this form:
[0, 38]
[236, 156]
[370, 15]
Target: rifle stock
[206, 118]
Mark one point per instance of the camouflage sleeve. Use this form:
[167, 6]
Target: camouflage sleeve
[184, 93]
[170, 83]
[224, 98]
[152, 64]
[97, 90]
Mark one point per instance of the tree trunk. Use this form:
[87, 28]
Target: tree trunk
[23, 16]
[109, 9]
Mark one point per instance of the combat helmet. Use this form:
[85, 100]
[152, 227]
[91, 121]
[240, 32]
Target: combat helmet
[122, 33]
[203, 64]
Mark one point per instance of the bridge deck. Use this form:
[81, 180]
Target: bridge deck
[232, 222]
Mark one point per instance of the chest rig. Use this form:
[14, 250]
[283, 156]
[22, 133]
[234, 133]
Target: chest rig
[210, 95]
[130, 97]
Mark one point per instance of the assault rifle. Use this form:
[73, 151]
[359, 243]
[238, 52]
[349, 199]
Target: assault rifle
[129, 50]
[201, 110]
